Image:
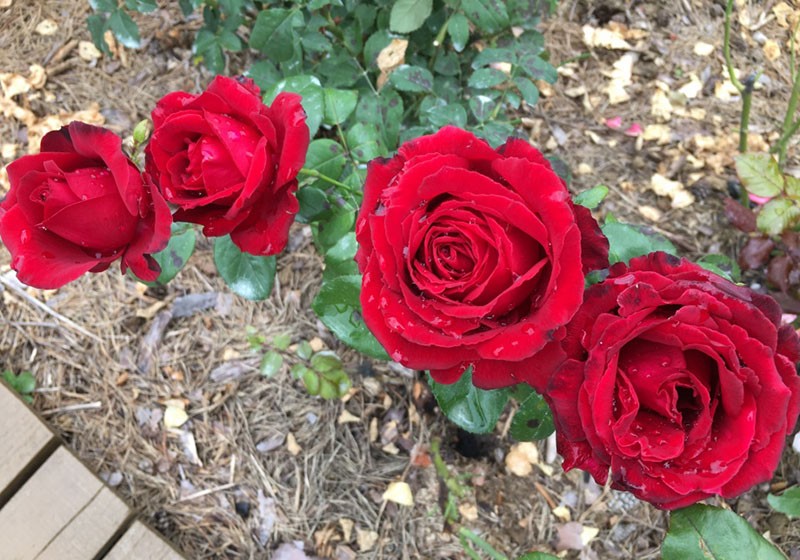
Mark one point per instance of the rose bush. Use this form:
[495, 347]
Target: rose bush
[471, 257]
[678, 381]
[79, 205]
[229, 162]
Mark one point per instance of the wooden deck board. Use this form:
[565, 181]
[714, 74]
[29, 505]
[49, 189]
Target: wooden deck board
[141, 542]
[23, 438]
[52, 507]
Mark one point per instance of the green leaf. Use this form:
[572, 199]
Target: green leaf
[472, 409]
[409, 15]
[97, 27]
[308, 87]
[792, 187]
[326, 361]
[271, 364]
[326, 156]
[329, 232]
[454, 114]
[489, 55]
[385, 111]
[787, 503]
[273, 32]
[538, 68]
[250, 276]
[339, 260]
[143, 6]
[485, 78]
[703, 532]
[490, 16]
[458, 28]
[282, 341]
[482, 106]
[264, 74]
[412, 78]
[103, 5]
[229, 40]
[174, 257]
[529, 91]
[722, 265]
[313, 203]
[759, 174]
[496, 132]
[364, 142]
[777, 215]
[627, 241]
[561, 168]
[125, 29]
[533, 419]
[374, 45]
[24, 383]
[593, 197]
[339, 103]
[338, 306]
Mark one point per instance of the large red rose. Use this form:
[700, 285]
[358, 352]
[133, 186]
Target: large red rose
[679, 382]
[471, 257]
[229, 162]
[79, 205]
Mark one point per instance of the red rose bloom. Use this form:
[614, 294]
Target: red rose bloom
[678, 381]
[79, 205]
[471, 257]
[229, 162]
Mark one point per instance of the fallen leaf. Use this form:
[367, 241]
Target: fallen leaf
[584, 169]
[692, 89]
[399, 493]
[772, 50]
[346, 417]
[660, 107]
[291, 444]
[347, 528]
[521, 458]
[88, 52]
[46, 27]
[468, 511]
[681, 198]
[703, 49]
[5, 3]
[366, 539]
[562, 513]
[316, 344]
[189, 447]
[267, 516]
[8, 151]
[390, 57]
[175, 416]
[621, 76]
[784, 14]
[650, 212]
[604, 38]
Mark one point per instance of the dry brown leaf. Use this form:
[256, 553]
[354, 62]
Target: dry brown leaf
[681, 198]
[584, 169]
[604, 38]
[562, 513]
[650, 213]
[390, 57]
[38, 76]
[468, 511]
[5, 3]
[292, 446]
[347, 418]
[661, 133]
[175, 414]
[46, 27]
[316, 344]
[366, 539]
[521, 458]
[14, 84]
[692, 89]
[347, 526]
[660, 107]
[772, 51]
[784, 14]
[88, 52]
[620, 78]
[399, 493]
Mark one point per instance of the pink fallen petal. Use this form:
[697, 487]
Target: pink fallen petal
[634, 130]
[759, 199]
[788, 318]
[614, 123]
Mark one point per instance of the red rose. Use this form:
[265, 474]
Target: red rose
[471, 257]
[79, 205]
[678, 381]
[229, 162]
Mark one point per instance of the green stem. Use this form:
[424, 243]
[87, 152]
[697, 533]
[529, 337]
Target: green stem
[788, 120]
[463, 532]
[726, 47]
[317, 175]
[744, 123]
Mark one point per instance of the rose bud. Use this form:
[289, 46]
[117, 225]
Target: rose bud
[229, 162]
[79, 205]
[472, 257]
[680, 383]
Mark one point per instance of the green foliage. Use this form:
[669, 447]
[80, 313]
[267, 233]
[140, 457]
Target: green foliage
[627, 241]
[248, 275]
[761, 175]
[722, 265]
[593, 197]
[533, 419]
[703, 532]
[787, 503]
[23, 383]
[472, 409]
[175, 256]
[324, 375]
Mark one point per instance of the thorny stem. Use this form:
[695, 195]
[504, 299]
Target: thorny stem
[789, 126]
[317, 175]
[726, 47]
[463, 532]
[747, 100]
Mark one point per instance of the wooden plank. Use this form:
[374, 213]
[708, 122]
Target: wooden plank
[47, 503]
[24, 441]
[88, 533]
[141, 542]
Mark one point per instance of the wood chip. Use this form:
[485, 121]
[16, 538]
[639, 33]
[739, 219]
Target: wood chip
[347, 418]
[292, 446]
[399, 493]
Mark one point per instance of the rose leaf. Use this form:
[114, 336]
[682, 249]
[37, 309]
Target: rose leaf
[176, 254]
[703, 532]
[249, 276]
[533, 419]
[409, 15]
[626, 241]
[470, 408]
[760, 174]
[787, 503]
[592, 198]
[490, 16]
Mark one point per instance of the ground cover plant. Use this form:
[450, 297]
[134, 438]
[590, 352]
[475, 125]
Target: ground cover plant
[471, 283]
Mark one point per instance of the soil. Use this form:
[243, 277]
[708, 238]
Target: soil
[260, 463]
